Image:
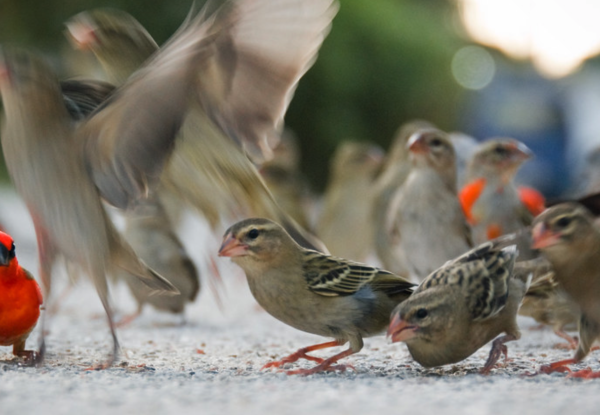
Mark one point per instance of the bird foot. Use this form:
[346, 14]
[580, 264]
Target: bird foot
[30, 357]
[560, 366]
[99, 366]
[586, 373]
[300, 354]
[565, 346]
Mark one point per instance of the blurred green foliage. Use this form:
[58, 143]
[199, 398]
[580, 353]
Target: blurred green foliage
[384, 62]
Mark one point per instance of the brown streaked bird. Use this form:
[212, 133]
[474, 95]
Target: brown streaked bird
[569, 239]
[345, 224]
[394, 171]
[245, 87]
[313, 292]
[425, 219]
[462, 306]
[149, 232]
[491, 200]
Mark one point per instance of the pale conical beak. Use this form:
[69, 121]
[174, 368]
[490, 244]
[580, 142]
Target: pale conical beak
[399, 330]
[231, 247]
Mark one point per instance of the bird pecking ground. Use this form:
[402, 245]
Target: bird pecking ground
[211, 363]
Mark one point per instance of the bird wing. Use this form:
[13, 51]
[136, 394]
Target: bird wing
[331, 277]
[130, 136]
[257, 64]
[82, 97]
[482, 274]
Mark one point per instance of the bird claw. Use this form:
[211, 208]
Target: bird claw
[291, 359]
[586, 373]
[31, 358]
[547, 369]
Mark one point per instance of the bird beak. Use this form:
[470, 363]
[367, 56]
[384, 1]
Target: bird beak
[520, 152]
[400, 331]
[81, 34]
[231, 247]
[4, 256]
[416, 145]
[543, 237]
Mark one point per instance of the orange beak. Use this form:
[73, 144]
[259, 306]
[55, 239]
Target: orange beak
[231, 247]
[543, 237]
[400, 331]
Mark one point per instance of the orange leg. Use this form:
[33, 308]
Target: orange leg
[560, 366]
[586, 373]
[571, 341]
[326, 365]
[301, 354]
[127, 320]
[498, 349]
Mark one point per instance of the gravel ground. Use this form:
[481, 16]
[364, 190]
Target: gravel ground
[211, 362]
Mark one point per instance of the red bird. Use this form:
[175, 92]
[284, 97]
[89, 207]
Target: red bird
[20, 301]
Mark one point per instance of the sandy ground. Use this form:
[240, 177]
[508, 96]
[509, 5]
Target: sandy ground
[211, 363]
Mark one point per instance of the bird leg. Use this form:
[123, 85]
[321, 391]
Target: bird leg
[326, 365]
[560, 366]
[498, 348]
[102, 289]
[571, 341]
[301, 354]
[29, 356]
[127, 320]
[586, 373]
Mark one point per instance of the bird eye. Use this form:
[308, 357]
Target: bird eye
[11, 253]
[501, 151]
[563, 222]
[253, 234]
[436, 142]
[421, 313]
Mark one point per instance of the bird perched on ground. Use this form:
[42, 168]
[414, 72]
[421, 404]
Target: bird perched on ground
[461, 307]
[569, 239]
[20, 301]
[313, 292]
[148, 230]
[492, 203]
[345, 224]
[425, 219]
[547, 303]
[245, 86]
[394, 171]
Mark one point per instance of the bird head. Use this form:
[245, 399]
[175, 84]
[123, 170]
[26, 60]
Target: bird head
[564, 228]
[499, 158]
[22, 71]
[7, 250]
[356, 159]
[254, 241]
[106, 30]
[423, 317]
[432, 148]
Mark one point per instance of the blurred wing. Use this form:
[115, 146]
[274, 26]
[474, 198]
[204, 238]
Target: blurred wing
[82, 97]
[258, 62]
[332, 277]
[129, 138]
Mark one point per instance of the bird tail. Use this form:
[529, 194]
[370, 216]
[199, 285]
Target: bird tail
[126, 259]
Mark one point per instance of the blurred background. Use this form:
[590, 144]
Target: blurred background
[518, 68]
